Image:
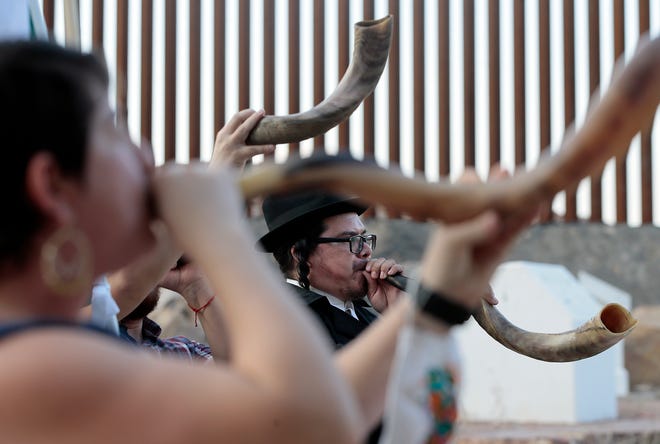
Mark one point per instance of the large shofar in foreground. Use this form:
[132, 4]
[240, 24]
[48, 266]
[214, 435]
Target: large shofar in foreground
[628, 106]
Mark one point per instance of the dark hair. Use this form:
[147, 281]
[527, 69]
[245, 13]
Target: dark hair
[46, 104]
[302, 249]
[145, 307]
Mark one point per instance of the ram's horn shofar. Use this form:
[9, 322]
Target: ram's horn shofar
[608, 327]
[370, 51]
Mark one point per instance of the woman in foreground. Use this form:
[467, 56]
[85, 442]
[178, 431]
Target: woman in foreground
[79, 205]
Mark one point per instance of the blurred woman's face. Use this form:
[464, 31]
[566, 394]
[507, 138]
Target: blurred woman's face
[114, 203]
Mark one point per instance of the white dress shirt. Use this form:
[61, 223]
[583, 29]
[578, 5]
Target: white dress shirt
[347, 306]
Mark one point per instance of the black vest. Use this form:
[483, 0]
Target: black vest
[341, 326]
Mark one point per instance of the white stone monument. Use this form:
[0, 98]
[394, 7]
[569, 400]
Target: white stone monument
[502, 385]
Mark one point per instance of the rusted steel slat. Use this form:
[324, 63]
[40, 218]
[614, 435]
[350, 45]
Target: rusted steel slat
[97, 24]
[219, 89]
[418, 85]
[621, 163]
[194, 80]
[647, 176]
[468, 83]
[368, 108]
[519, 82]
[394, 119]
[319, 62]
[147, 69]
[493, 81]
[122, 62]
[170, 79]
[569, 92]
[244, 69]
[294, 64]
[646, 143]
[146, 53]
[269, 60]
[369, 118]
[644, 8]
[544, 74]
[394, 89]
[243, 54]
[444, 130]
[49, 15]
[544, 89]
[594, 82]
[342, 64]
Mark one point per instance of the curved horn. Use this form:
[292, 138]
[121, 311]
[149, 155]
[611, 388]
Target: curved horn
[371, 47]
[608, 327]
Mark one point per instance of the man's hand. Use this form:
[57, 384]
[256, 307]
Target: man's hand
[131, 283]
[230, 148]
[496, 173]
[381, 293]
[489, 296]
[190, 283]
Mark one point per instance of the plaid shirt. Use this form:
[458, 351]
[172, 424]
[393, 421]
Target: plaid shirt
[177, 345]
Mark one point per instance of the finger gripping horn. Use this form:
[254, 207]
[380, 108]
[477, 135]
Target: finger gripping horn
[370, 51]
[608, 327]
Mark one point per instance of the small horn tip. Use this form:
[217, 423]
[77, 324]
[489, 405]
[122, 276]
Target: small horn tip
[369, 23]
[617, 318]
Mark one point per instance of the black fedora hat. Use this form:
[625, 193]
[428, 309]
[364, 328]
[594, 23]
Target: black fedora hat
[287, 215]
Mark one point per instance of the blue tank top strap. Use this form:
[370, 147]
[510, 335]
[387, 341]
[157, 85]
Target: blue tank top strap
[17, 327]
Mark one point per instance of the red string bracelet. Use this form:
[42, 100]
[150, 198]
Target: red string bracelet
[200, 309]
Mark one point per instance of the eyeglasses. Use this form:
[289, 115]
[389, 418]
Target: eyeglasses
[355, 243]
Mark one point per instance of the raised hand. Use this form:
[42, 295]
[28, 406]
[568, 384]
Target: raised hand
[495, 173]
[461, 258]
[190, 283]
[230, 148]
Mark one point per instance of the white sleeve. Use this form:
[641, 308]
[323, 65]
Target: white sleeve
[422, 391]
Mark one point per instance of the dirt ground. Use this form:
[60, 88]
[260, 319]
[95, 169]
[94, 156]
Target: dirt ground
[638, 423]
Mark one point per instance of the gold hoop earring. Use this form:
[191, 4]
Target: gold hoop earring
[66, 262]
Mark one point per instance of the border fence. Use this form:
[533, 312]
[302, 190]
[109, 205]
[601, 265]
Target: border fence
[468, 82]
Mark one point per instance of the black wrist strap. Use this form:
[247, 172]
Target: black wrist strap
[440, 307]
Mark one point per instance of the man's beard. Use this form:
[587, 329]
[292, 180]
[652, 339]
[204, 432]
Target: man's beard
[146, 306]
[360, 292]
